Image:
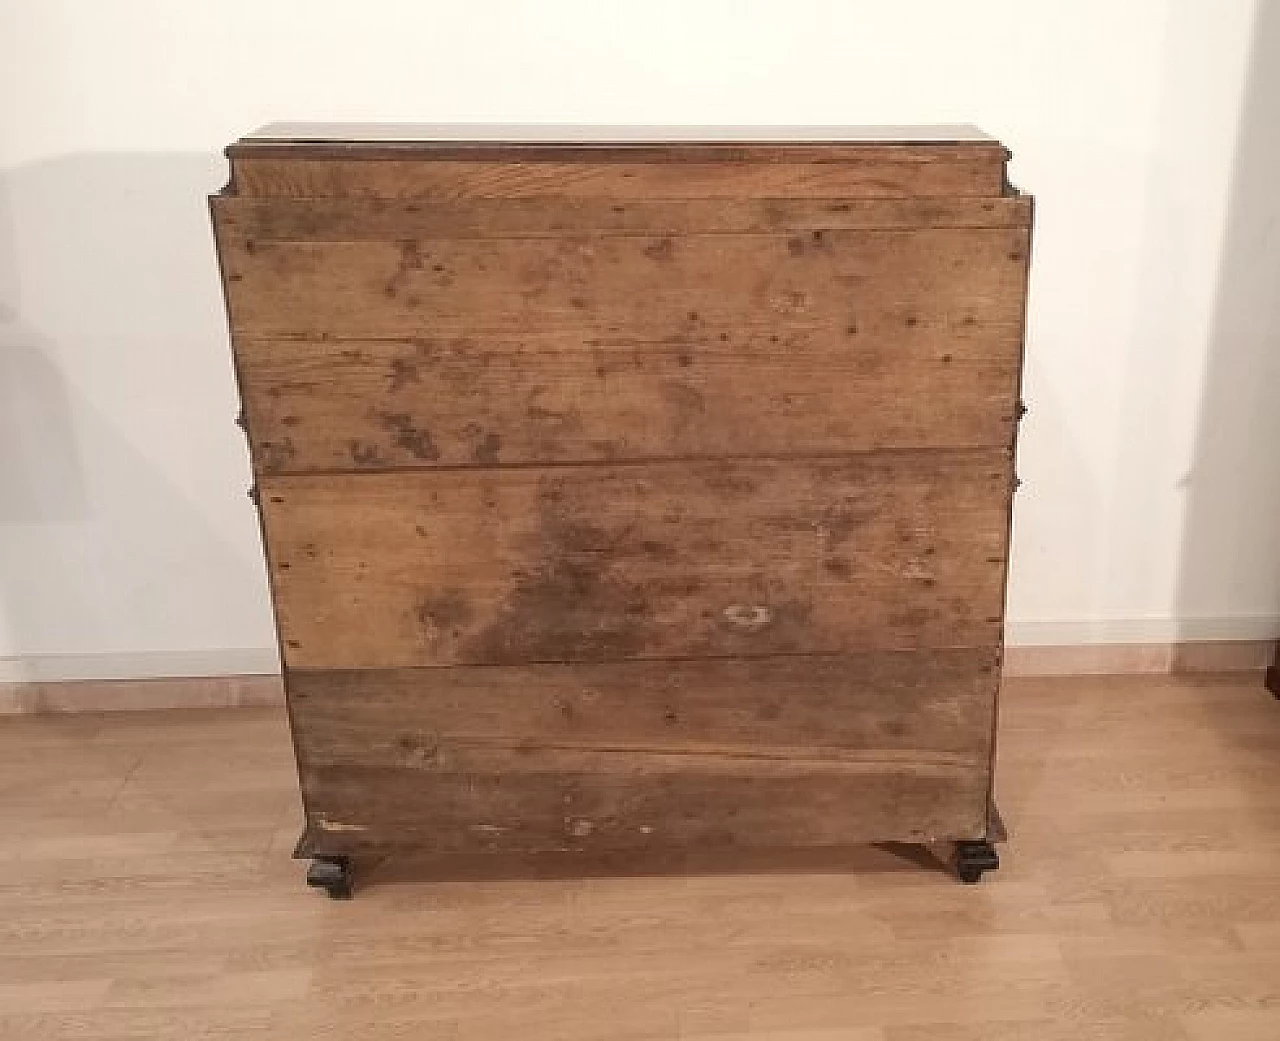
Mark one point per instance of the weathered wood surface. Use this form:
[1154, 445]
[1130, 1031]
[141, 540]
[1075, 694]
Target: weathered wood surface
[632, 497]
[622, 347]
[635, 289]
[593, 563]
[258, 219]
[471, 799]
[374, 404]
[666, 172]
[888, 706]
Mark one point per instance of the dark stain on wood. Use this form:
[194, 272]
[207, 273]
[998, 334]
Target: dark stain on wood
[565, 609]
[658, 550]
[687, 402]
[410, 260]
[837, 566]
[730, 485]
[579, 600]
[910, 619]
[661, 250]
[607, 450]
[278, 454]
[403, 372]
[445, 611]
[487, 450]
[838, 522]
[365, 455]
[406, 435]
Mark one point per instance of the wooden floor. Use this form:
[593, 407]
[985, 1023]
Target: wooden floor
[146, 892]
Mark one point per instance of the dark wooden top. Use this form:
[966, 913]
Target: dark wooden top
[310, 160]
[575, 143]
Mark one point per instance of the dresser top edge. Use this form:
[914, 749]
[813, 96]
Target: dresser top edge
[615, 135]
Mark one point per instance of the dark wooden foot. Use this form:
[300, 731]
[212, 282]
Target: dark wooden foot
[973, 858]
[333, 875]
[1273, 680]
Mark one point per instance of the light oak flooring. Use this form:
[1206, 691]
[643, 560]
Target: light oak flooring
[146, 892]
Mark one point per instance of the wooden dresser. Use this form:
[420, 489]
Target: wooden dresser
[627, 489]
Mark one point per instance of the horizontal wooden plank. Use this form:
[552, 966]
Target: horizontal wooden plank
[479, 401]
[466, 799]
[350, 220]
[595, 563]
[502, 801]
[633, 348]
[885, 706]
[631, 287]
[666, 172]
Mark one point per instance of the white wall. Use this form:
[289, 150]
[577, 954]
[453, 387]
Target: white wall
[126, 542]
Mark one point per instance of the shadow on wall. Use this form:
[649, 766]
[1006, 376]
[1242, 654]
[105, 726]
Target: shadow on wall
[39, 465]
[1230, 555]
[124, 527]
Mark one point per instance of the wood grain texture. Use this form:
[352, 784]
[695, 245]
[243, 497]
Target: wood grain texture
[358, 405]
[627, 289]
[622, 347]
[635, 172]
[148, 894]
[258, 219]
[891, 550]
[469, 799]
[883, 706]
[612, 757]
[631, 498]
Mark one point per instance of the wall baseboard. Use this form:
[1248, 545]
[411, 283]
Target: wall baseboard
[40, 697]
[1186, 629]
[116, 695]
[1120, 659]
[126, 665]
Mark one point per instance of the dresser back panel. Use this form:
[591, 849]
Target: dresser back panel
[621, 494]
